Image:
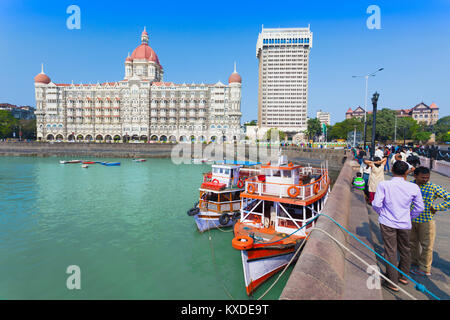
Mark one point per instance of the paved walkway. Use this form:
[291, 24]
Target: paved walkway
[439, 281]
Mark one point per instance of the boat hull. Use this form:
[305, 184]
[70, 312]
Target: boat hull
[210, 220]
[256, 272]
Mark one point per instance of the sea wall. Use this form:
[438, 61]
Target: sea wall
[324, 270]
[439, 166]
[335, 157]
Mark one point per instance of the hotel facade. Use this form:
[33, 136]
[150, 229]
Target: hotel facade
[283, 55]
[140, 107]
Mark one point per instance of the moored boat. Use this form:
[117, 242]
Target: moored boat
[84, 166]
[88, 162]
[276, 213]
[219, 203]
[139, 160]
[69, 161]
[109, 164]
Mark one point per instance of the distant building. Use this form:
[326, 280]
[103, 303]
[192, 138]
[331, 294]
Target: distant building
[19, 112]
[283, 55]
[140, 107]
[324, 117]
[421, 113]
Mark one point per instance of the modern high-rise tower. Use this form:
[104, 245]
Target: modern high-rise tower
[283, 55]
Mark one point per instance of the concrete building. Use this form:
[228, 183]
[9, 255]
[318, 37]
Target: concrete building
[324, 117]
[19, 112]
[421, 113]
[140, 107]
[283, 55]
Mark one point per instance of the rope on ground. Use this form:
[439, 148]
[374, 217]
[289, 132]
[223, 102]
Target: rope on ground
[418, 286]
[363, 261]
[215, 265]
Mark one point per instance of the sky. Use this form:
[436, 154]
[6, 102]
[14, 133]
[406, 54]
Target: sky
[199, 41]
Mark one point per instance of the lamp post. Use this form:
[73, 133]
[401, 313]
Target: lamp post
[374, 104]
[365, 100]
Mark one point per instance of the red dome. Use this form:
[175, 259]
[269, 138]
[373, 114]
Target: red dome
[235, 77]
[42, 78]
[145, 52]
[129, 59]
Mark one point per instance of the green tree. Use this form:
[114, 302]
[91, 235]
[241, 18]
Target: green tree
[314, 127]
[275, 132]
[28, 128]
[7, 124]
[340, 129]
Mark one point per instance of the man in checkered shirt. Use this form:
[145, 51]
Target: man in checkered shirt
[423, 230]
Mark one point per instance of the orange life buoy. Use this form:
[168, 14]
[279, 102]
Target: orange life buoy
[242, 243]
[240, 184]
[251, 188]
[296, 192]
[215, 181]
[290, 164]
[316, 188]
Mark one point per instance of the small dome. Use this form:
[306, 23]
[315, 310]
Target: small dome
[129, 59]
[235, 77]
[42, 78]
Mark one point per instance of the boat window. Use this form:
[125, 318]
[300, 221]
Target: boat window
[287, 173]
[227, 171]
[276, 173]
[215, 170]
[221, 170]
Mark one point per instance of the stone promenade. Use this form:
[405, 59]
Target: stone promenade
[438, 282]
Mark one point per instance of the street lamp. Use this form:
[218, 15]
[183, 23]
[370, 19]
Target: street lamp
[374, 122]
[365, 100]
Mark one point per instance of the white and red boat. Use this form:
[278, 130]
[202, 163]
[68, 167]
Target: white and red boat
[274, 207]
[219, 202]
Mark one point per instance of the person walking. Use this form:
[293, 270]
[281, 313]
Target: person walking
[392, 202]
[387, 155]
[423, 232]
[376, 175]
[365, 170]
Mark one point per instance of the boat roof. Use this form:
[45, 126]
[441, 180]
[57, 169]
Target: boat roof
[242, 163]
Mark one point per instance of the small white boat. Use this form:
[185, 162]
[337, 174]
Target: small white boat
[84, 166]
[139, 160]
[70, 161]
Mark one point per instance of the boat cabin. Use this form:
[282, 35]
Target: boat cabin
[226, 174]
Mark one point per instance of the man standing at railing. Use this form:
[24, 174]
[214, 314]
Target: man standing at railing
[392, 202]
[423, 230]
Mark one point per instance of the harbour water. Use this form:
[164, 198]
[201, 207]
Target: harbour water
[126, 227]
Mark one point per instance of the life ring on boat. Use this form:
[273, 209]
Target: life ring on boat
[240, 184]
[242, 243]
[290, 164]
[215, 181]
[224, 219]
[316, 188]
[296, 191]
[251, 188]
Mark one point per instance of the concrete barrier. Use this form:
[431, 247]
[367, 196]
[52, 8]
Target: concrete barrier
[439, 166]
[324, 270]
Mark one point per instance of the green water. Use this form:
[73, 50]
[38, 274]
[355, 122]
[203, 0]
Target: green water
[126, 228]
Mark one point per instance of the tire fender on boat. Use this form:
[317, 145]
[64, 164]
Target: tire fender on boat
[193, 211]
[215, 181]
[242, 243]
[224, 219]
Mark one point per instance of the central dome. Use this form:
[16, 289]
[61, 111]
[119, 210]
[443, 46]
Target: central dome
[145, 52]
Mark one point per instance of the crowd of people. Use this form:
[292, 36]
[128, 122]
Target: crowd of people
[406, 209]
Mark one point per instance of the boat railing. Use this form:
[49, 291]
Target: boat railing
[223, 206]
[281, 190]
